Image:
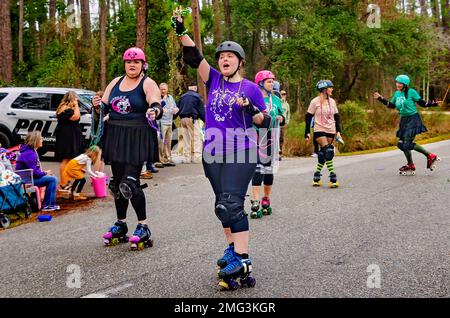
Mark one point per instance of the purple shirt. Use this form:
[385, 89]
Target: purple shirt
[227, 122]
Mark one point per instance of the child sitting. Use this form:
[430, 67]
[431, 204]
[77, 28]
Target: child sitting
[77, 167]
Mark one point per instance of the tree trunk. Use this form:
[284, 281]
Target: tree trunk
[86, 21]
[435, 6]
[198, 43]
[104, 9]
[52, 10]
[20, 35]
[445, 11]
[6, 51]
[423, 7]
[227, 17]
[217, 29]
[141, 23]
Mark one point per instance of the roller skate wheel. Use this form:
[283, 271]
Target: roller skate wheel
[134, 246]
[248, 281]
[149, 243]
[223, 285]
[106, 242]
[253, 215]
[413, 173]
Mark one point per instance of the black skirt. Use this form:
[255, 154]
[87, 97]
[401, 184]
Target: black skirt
[68, 140]
[410, 126]
[129, 141]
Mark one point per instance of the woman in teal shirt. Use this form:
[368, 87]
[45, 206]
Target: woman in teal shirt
[268, 147]
[404, 101]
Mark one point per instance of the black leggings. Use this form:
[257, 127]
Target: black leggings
[232, 178]
[122, 171]
[78, 185]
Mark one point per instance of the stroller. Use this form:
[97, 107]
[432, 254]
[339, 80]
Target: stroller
[14, 196]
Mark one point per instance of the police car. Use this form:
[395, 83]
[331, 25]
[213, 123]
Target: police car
[24, 109]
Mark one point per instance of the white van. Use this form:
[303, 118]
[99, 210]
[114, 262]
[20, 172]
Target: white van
[24, 109]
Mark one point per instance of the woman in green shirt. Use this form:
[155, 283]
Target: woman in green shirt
[404, 101]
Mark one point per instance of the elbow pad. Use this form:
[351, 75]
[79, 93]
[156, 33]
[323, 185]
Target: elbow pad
[192, 56]
[337, 119]
[308, 119]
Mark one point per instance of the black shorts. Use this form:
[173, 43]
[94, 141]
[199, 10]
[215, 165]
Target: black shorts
[318, 134]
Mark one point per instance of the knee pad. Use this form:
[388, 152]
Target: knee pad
[229, 208]
[321, 157]
[257, 179]
[328, 152]
[129, 187]
[268, 179]
[114, 188]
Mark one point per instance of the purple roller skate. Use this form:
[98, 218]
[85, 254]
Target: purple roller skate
[116, 234]
[141, 237]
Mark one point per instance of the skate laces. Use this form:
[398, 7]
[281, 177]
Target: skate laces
[229, 252]
[234, 263]
[140, 231]
[116, 228]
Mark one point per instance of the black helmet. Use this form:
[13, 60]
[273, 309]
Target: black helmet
[230, 46]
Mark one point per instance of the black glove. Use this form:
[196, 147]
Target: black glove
[178, 26]
[249, 108]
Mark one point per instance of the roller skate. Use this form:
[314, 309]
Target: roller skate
[228, 255]
[116, 234]
[256, 213]
[316, 180]
[333, 181]
[431, 161]
[237, 268]
[409, 169]
[265, 206]
[141, 237]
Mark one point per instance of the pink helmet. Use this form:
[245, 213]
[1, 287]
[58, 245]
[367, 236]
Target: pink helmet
[134, 53]
[262, 76]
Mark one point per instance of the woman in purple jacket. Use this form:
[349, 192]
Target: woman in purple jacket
[29, 159]
[234, 104]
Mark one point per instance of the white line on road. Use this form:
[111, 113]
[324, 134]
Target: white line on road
[108, 292]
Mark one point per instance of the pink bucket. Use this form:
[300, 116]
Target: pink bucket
[99, 185]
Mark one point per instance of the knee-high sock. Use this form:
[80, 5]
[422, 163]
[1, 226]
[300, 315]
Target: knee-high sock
[330, 165]
[421, 149]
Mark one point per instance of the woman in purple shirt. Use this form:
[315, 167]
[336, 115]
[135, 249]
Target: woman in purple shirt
[229, 153]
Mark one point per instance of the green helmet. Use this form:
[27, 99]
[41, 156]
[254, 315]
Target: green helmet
[403, 79]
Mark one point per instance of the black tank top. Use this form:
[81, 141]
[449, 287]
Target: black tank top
[127, 105]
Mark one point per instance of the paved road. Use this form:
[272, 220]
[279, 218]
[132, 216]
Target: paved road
[319, 242]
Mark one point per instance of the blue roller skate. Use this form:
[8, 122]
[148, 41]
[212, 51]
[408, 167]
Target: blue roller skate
[238, 267]
[228, 255]
[141, 237]
[116, 234]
